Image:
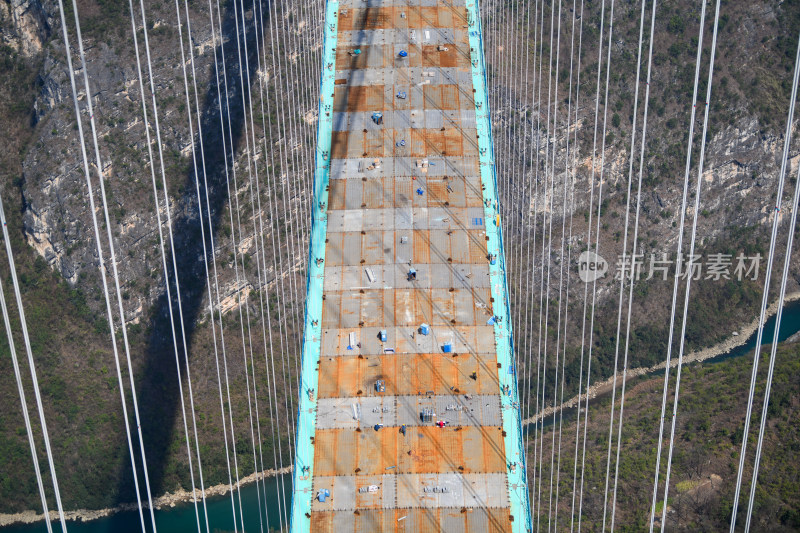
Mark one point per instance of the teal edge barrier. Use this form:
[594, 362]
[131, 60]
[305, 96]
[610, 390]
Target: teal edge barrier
[504, 340]
[300, 520]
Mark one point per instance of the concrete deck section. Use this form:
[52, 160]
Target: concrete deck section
[408, 417]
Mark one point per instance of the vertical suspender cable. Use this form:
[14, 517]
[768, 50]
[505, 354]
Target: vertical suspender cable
[580, 364]
[293, 237]
[623, 272]
[521, 298]
[247, 105]
[765, 296]
[691, 256]
[597, 228]
[233, 195]
[678, 264]
[561, 263]
[213, 255]
[35, 381]
[524, 257]
[544, 305]
[164, 260]
[101, 258]
[112, 252]
[278, 280]
[633, 253]
[786, 263]
[532, 484]
[226, 120]
[569, 183]
[531, 271]
[267, 326]
[281, 272]
[289, 233]
[200, 215]
[23, 403]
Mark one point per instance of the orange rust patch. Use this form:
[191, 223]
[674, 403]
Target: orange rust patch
[408, 374]
[358, 98]
[479, 520]
[370, 18]
[380, 18]
[369, 453]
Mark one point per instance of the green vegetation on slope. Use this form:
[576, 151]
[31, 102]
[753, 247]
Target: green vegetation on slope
[710, 423]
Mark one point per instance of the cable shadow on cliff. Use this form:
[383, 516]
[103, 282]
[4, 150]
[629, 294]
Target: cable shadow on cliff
[158, 394]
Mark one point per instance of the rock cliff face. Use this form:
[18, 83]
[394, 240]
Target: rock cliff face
[254, 219]
[747, 118]
[27, 24]
[56, 217]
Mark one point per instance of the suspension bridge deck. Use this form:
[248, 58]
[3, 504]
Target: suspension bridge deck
[407, 324]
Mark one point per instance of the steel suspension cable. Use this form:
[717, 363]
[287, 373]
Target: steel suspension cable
[202, 231]
[241, 284]
[599, 213]
[511, 169]
[541, 291]
[200, 219]
[100, 254]
[691, 256]
[569, 175]
[679, 249]
[580, 365]
[773, 351]
[291, 254]
[506, 208]
[112, 253]
[278, 268]
[561, 254]
[632, 266]
[146, 123]
[267, 326]
[21, 390]
[520, 298]
[765, 300]
[297, 234]
[29, 351]
[290, 234]
[253, 177]
[533, 271]
[213, 254]
[233, 198]
[531, 226]
[544, 306]
[633, 253]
